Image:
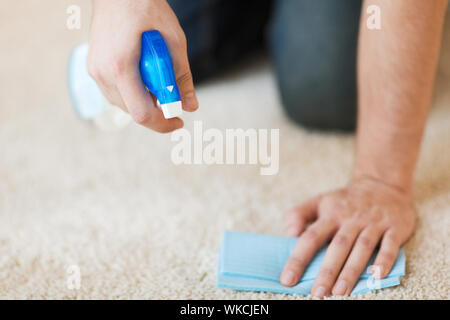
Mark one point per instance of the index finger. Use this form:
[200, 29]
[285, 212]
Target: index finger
[140, 104]
[177, 45]
[309, 242]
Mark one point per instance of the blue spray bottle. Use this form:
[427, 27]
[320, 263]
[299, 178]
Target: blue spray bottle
[157, 74]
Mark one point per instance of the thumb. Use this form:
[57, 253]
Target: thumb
[298, 218]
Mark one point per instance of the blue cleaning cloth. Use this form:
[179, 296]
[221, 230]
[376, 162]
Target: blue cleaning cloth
[253, 262]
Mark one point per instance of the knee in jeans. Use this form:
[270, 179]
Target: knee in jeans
[320, 108]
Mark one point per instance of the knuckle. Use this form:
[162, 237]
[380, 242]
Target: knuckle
[141, 116]
[184, 78]
[366, 241]
[180, 40]
[387, 255]
[351, 272]
[297, 263]
[311, 235]
[118, 67]
[391, 238]
[341, 240]
[176, 39]
[327, 273]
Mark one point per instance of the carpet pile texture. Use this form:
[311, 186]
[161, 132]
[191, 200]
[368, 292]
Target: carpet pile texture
[72, 195]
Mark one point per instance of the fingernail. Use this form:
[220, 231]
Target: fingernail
[190, 101]
[340, 288]
[288, 278]
[319, 292]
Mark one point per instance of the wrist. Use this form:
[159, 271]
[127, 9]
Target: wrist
[381, 162]
[389, 179]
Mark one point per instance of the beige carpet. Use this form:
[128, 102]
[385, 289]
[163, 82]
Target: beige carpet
[73, 195]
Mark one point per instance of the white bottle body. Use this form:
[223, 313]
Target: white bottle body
[87, 99]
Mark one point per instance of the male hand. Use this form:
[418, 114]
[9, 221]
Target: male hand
[355, 219]
[114, 54]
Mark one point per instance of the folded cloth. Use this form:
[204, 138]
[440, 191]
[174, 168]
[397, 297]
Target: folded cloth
[254, 262]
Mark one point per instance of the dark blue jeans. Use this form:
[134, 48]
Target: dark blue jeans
[312, 44]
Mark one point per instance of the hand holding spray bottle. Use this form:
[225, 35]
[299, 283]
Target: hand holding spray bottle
[157, 74]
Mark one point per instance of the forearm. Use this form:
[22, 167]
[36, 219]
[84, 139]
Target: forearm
[396, 71]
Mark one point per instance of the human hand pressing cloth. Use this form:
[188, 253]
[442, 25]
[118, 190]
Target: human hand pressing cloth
[253, 262]
[354, 220]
